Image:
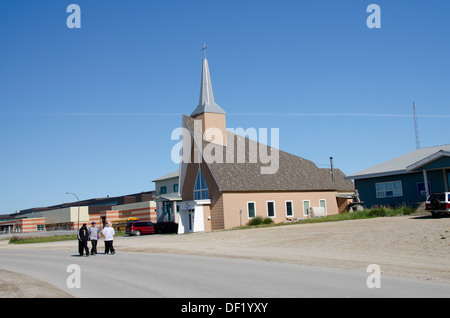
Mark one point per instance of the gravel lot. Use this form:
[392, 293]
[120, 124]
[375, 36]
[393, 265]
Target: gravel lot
[416, 246]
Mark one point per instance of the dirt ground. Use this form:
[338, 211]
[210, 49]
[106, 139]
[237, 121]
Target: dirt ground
[416, 246]
[15, 285]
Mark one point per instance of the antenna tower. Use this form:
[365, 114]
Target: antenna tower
[416, 127]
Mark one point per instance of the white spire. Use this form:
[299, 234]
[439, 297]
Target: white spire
[206, 102]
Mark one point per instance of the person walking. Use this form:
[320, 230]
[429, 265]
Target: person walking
[94, 234]
[108, 234]
[83, 237]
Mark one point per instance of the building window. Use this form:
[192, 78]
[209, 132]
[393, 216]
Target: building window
[323, 204]
[175, 187]
[200, 189]
[167, 209]
[40, 227]
[305, 207]
[163, 190]
[421, 191]
[271, 209]
[289, 209]
[389, 189]
[251, 210]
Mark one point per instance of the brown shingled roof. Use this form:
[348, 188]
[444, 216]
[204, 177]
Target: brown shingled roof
[294, 173]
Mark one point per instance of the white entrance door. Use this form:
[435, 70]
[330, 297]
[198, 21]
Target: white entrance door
[187, 219]
[191, 216]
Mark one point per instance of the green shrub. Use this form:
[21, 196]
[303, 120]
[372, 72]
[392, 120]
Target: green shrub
[259, 220]
[268, 221]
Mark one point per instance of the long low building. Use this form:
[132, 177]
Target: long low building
[25, 225]
[71, 216]
[144, 211]
[59, 219]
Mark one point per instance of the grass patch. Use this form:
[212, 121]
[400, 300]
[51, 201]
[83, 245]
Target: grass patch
[41, 239]
[52, 238]
[366, 214]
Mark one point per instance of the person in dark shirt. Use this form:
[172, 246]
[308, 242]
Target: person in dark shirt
[83, 237]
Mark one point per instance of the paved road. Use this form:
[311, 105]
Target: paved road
[164, 275]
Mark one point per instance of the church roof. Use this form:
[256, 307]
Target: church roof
[294, 173]
[206, 102]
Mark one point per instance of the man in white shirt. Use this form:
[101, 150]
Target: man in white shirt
[108, 234]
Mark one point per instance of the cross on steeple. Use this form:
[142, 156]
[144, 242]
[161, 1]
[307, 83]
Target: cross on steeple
[204, 50]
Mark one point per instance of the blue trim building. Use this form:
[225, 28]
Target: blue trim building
[405, 180]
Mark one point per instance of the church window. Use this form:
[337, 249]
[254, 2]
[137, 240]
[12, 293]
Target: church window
[200, 189]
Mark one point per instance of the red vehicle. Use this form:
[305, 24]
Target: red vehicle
[138, 228]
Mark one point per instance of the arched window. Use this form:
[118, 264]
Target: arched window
[200, 189]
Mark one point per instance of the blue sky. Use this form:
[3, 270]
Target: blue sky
[91, 110]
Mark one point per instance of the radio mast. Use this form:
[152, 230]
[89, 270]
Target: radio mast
[416, 127]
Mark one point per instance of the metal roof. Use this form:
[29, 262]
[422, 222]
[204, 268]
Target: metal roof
[172, 175]
[399, 165]
[206, 102]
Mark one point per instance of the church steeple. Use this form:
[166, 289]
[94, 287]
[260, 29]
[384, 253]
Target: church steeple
[210, 114]
[206, 102]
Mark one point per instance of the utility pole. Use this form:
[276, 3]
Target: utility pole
[416, 127]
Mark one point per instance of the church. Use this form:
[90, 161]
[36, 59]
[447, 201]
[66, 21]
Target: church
[225, 179]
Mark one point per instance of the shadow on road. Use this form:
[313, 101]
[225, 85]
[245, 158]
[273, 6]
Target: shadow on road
[429, 217]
